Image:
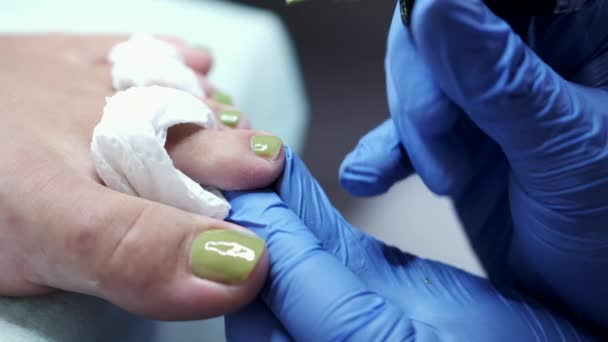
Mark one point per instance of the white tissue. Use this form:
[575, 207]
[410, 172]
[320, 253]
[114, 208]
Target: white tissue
[129, 154]
[144, 60]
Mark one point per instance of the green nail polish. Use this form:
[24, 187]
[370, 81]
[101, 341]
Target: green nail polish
[223, 98]
[225, 255]
[266, 146]
[230, 117]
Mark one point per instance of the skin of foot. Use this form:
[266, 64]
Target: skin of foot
[61, 228]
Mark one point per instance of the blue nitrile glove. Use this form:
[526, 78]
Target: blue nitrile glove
[329, 281]
[532, 189]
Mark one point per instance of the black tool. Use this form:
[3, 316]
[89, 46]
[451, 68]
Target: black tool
[502, 8]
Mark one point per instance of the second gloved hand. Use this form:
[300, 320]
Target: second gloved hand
[522, 150]
[328, 281]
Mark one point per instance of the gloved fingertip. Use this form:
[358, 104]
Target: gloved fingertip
[377, 162]
[287, 168]
[360, 180]
[288, 153]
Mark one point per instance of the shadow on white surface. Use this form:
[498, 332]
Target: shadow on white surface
[410, 217]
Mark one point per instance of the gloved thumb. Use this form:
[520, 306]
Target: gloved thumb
[308, 287]
[377, 162]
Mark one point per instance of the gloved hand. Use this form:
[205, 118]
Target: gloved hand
[329, 281]
[522, 151]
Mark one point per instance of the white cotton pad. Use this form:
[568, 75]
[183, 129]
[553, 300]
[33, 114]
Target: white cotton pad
[144, 60]
[128, 148]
